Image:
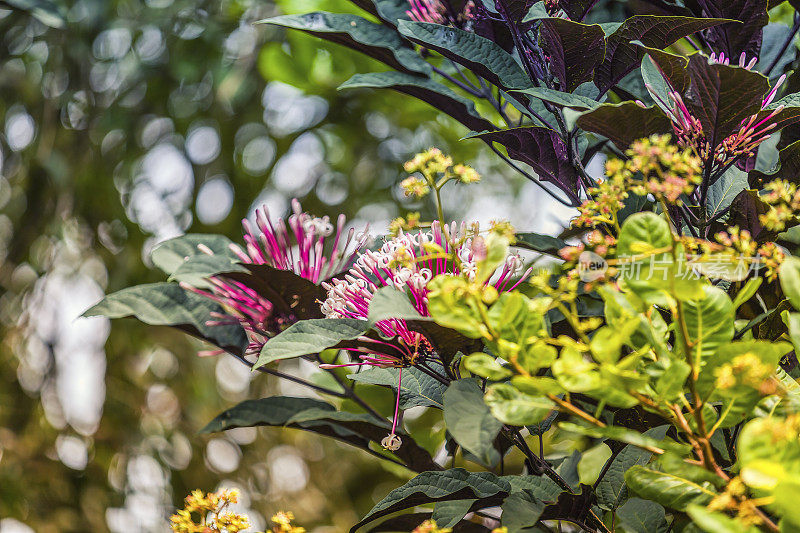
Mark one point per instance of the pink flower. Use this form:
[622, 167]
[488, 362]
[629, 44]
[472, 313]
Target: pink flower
[752, 131]
[405, 263]
[408, 263]
[435, 12]
[297, 245]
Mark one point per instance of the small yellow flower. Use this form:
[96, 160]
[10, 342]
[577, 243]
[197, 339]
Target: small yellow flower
[415, 186]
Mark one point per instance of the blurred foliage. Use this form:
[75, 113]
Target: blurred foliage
[133, 122]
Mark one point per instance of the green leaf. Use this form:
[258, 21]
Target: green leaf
[574, 50]
[712, 522]
[448, 485]
[642, 234]
[562, 99]
[643, 516]
[667, 489]
[746, 292]
[427, 90]
[625, 122]
[389, 302]
[375, 40]
[449, 513]
[622, 56]
[480, 55]
[787, 167]
[310, 337]
[167, 304]
[722, 192]
[417, 389]
[486, 366]
[469, 420]
[171, 254]
[539, 243]
[789, 276]
[516, 408]
[769, 352]
[628, 436]
[358, 429]
[611, 490]
[521, 510]
[196, 269]
[709, 322]
[592, 462]
[792, 321]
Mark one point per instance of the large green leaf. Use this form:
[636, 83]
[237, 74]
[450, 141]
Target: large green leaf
[480, 55]
[654, 31]
[516, 408]
[667, 489]
[574, 50]
[310, 337]
[709, 323]
[429, 91]
[196, 269]
[448, 485]
[470, 421]
[451, 512]
[521, 510]
[628, 436]
[375, 40]
[358, 429]
[611, 490]
[724, 191]
[643, 516]
[625, 122]
[417, 388]
[171, 254]
[167, 304]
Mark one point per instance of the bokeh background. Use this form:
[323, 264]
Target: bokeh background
[136, 121]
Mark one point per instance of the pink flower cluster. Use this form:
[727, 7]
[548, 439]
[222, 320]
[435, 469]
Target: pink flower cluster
[751, 133]
[406, 263]
[297, 245]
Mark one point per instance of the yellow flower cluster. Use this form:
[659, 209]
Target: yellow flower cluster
[654, 166]
[783, 199]
[400, 224]
[283, 523]
[431, 161]
[746, 369]
[416, 187]
[436, 170]
[429, 526]
[734, 500]
[209, 512]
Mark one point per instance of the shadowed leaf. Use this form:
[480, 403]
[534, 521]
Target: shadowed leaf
[375, 40]
[479, 55]
[429, 91]
[654, 31]
[733, 39]
[625, 123]
[574, 49]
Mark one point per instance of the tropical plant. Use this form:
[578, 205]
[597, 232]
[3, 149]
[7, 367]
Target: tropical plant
[658, 345]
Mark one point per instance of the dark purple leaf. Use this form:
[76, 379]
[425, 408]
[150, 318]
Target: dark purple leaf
[672, 67]
[542, 149]
[745, 210]
[514, 9]
[289, 293]
[577, 9]
[625, 123]
[574, 50]
[652, 31]
[733, 39]
[721, 96]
